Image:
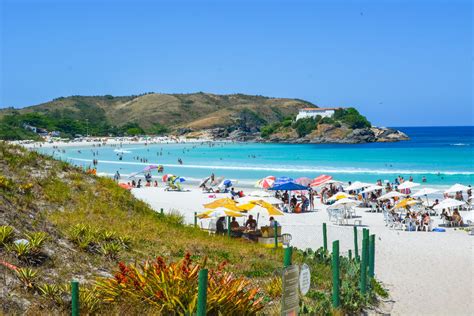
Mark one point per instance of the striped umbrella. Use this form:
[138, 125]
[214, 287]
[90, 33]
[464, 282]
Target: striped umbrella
[266, 182]
[322, 179]
[304, 181]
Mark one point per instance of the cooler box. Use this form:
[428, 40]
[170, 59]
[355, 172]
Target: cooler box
[269, 242]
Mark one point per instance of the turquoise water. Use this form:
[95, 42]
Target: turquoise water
[444, 155]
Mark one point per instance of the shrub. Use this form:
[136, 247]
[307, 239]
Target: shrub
[352, 117]
[274, 287]
[172, 289]
[305, 126]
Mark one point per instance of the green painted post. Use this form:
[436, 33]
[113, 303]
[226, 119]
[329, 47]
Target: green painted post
[372, 256]
[363, 268]
[350, 254]
[75, 297]
[275, 228]
[335, 274]
[195, 220]
[161, 211]
[202, 293]
[366, 237]
[325, 237]
[228, 226]
[287, 257]
[356, 245]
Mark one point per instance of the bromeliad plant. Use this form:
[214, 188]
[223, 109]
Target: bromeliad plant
[6, 234]
[171, 289]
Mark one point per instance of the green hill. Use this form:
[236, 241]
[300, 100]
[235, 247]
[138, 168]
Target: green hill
[58, 223]
[150, 113]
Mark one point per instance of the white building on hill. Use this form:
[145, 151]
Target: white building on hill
[313, 112]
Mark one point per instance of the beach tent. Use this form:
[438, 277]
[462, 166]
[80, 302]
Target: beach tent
[288, 186]
[320, 180]
[391, 195]
[448, 203]
[407, 185]
[457, 188]
[304, 181]
[357, 186]
[282, 180]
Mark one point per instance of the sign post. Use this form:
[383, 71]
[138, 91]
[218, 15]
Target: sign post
[290, 300]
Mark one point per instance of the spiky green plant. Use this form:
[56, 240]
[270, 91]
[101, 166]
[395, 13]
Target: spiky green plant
[51, 291]
[21, 249]
[111, 250]
[27, 276]
[6, 234]
[36, 240]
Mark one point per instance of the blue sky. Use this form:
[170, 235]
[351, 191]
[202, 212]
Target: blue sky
[401, 63]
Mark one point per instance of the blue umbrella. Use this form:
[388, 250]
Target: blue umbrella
[179, 180]
[281, 180]
[289, 186]
[227, 182]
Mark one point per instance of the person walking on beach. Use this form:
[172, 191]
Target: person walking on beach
[117, 176]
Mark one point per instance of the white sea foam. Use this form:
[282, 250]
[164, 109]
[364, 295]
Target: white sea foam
[298, 169]
[459, 144]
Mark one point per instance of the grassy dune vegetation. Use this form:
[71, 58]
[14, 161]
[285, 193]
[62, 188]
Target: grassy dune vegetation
[128, 258]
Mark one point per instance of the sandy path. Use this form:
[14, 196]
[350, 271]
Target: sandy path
[426, 273]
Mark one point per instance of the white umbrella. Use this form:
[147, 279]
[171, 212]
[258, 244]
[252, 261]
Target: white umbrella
[357, 185]
[424, 191]
[260, 193]
[344, 202]
[340, 195]
[390, 195]
[448, 203]
[372, 188]
[407, 185]
[457, 188]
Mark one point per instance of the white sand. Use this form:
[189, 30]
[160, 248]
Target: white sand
[426, 273]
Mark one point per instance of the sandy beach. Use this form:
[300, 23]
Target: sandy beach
[427, 273]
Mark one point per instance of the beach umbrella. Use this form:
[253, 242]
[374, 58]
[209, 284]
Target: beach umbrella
[217, 181]
[224, 202]
[448, 203]
[344, 202]
[372, 188]
[260, 193]
[407, 185]
[166, 176]
[406, 202]
[340, 195]
[320, 180]
[391, 195]
[219, 212]
[304, 181]
[150, 167]
[357, 186]
[125, 186]
[457, 188]
[268, 199]
[260, 206]
[424, 191]
[266, 182]
[179, 180]
[282, 180]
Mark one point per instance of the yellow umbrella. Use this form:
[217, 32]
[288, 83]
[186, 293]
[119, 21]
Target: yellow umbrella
[261, 205]
[219, 212]
[405, 203]
[224, 202]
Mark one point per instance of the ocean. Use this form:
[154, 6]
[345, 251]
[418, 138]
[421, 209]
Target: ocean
[444, 155]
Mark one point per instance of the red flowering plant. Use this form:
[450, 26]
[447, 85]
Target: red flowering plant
[172, 288]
